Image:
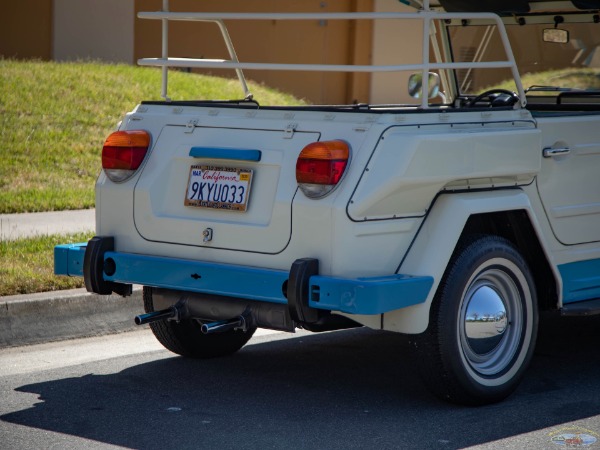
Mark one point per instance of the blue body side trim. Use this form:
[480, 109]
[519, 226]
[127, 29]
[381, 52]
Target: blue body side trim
[368, 295]
[581, 280]
[240, 154]
[375, 295]
[68, 259]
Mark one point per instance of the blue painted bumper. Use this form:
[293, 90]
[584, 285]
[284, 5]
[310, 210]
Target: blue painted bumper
[371, 295]
[68, 259]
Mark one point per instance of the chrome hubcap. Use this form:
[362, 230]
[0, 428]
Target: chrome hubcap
[491, 321]
[485, 320]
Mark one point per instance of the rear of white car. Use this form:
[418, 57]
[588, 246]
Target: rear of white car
[436, 218]
[226, 200]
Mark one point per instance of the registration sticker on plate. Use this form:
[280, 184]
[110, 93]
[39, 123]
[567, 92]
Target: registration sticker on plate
[218, 187]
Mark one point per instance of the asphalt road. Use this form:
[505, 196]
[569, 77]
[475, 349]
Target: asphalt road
[340, 390]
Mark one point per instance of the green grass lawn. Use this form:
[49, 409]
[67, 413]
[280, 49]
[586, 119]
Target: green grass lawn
[54, 118]
[575, 78]
[27, 265]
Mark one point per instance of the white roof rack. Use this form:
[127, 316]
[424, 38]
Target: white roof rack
[425, 14]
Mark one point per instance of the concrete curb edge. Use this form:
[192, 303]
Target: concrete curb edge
[60, 315]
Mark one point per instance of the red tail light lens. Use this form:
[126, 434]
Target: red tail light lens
[123, 153]
[320, 167]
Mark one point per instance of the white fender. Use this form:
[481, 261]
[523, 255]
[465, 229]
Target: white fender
[437, 239]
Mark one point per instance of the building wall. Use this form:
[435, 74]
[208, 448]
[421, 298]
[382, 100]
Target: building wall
[26, 29]
[96, 29]
[109, 30]
[394, 42]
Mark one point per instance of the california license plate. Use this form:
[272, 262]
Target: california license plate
[218, 188]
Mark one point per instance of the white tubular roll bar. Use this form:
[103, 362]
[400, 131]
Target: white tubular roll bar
[426, 15]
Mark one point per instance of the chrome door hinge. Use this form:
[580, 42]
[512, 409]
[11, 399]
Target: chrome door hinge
[191, 126]
[289, 131]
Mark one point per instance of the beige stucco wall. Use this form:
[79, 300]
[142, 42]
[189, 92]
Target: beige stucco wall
[97, 29]
[394, 42]
[107, 30]
[26, 29]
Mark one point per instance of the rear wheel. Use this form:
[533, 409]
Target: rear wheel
[483, 324]
[186, 339]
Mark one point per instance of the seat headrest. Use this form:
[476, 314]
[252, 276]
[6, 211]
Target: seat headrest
[506, 6]
[586, 4]
[495, 6]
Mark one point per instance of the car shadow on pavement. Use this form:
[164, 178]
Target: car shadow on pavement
[347, 389]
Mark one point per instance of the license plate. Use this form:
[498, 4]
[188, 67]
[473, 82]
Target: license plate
[224, 188]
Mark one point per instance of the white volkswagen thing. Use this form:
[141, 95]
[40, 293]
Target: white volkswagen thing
[456, 216]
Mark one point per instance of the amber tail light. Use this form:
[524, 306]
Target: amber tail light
[123, 153]
[321, 166]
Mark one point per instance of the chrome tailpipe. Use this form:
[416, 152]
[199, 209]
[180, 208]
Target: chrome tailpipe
[176, 312]
[179, 311]
[241, 322]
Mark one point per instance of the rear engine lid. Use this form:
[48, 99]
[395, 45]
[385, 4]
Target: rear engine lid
[222, 188]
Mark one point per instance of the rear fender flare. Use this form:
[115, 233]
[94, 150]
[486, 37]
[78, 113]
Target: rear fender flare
[435, 243]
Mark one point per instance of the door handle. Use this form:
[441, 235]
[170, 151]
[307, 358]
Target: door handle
[549, 152]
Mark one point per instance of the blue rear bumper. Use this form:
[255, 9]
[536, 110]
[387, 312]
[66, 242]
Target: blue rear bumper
[372, 295]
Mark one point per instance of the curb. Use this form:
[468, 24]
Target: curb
[60, 315]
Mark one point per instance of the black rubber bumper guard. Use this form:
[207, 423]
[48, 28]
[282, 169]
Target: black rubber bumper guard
[94, 268]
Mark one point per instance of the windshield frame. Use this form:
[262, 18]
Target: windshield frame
[571, 21]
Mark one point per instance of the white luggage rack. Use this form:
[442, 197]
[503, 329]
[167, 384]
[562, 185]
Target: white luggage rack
[426, 15]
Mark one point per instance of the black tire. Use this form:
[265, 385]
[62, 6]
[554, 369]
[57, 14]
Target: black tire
[483, 324]
[186, 339]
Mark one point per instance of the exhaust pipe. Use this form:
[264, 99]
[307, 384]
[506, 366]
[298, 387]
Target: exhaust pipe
[155, 316]
[180, 311]
[241, 322]
[223, 325]
[176, 312]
